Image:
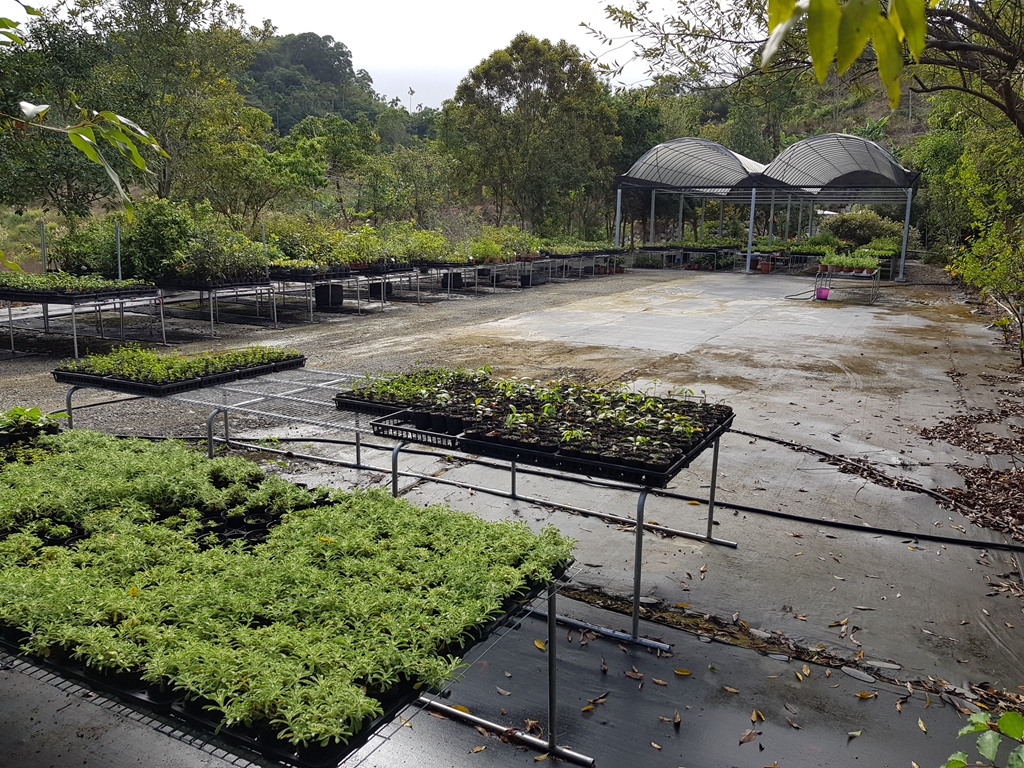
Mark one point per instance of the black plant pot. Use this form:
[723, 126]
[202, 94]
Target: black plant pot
[438, 423]
[453, 425]
[421, 420]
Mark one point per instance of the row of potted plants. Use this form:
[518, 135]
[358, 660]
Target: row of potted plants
[606, 424]
[300, 640]
[130, 366]
[858, 264]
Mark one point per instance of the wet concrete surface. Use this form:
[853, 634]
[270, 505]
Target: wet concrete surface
[837, 376]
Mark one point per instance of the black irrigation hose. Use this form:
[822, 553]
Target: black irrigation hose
[860, 528]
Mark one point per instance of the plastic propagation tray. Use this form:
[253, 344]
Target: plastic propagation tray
[115, 384]
[603, 470]
[396, 426]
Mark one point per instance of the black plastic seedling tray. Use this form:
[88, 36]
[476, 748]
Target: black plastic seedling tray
[63, 297]
[397, 426]
[115, 384]
[603, 470]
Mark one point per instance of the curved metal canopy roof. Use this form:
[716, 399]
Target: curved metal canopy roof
[834, 168]
[695, 165]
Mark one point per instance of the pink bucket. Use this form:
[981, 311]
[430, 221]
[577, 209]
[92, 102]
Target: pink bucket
[821, 294]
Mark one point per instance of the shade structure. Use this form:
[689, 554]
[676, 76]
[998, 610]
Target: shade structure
[695, 166]
[831, 169]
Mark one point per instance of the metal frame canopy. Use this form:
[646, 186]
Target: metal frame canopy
[830, 169]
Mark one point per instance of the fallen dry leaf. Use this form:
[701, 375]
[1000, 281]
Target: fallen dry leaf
[748, 736]
[540, 758]
[828, 673]
[676, 719]
[474, 750]
[482, 731]
[503, 692]
[587, 708]
[656, 746]
[730, 690]
[404, 722]
[866, 695]
[790, 708]
[799, 676]
[800, 616]
[600, 699]
[693, 502]
[840, 623]
[682, 605]
[681, 671]
[540, 644]
[604, 666]
[635, 674]
[854, 734]
[806, 670]
[460, 708]
[921, 725]
[756, 715]
[656, 681]
[795, 725]
[860, 654]
[927, 700]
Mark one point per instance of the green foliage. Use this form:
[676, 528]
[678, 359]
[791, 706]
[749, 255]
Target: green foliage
[1009, 724]
[861, 227]
[27, 423]
[995, 265]
[307, 75]
[133, 363]
[61, 282]
[351, 595]
[532, 124]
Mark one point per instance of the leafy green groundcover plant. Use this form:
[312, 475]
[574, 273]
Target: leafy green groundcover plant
[133, 363]
[1009, 724]
[346, 599]
[63, 282]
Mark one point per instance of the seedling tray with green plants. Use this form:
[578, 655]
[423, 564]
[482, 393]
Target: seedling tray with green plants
[602, 430]
[65, 288]
[111, 567]
[144, 372]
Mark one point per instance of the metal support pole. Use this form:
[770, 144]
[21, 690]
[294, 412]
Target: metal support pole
[703, 205]
[74, 329]
[117, 240]
[552, 670]
[210, 296]
[67, 406]
[789, 206]
[394, 468]
[10, 325]
[771, 222]
[906, 232]
[810, 220]
[750, 231]
[618, 217]
[359, 444]
[711, 493]
[227, 433]
[721, 216]
[638, 558]
[513, 734]
[46, 318]
[209, 432]
[682, 205]
[163, 326]
[42, 243]
[273, 304]
[651, 237]
[513, 464]
[799, 220]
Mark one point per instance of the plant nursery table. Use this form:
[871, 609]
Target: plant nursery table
[399, 426]
[828, 280]
[95, 299]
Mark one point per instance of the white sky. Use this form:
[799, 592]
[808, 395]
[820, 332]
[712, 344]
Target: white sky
[431, 46]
